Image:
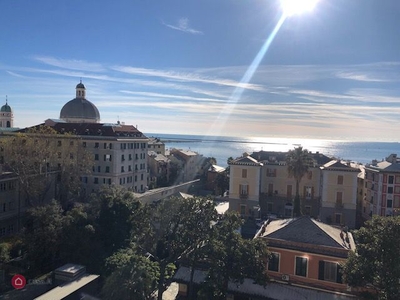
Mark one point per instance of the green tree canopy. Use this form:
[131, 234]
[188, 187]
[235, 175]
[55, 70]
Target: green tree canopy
[232, 258]
[298, 161]
[376, 261]
[132, 276]
[173, 230]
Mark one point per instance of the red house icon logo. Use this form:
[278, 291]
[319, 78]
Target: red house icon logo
[18, 281]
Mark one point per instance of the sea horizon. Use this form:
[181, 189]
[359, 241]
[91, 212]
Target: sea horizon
[223, 147]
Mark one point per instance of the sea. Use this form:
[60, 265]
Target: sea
[222, 147]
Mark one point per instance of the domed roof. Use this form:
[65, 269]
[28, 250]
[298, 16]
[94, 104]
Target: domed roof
[5, 108]
[80, 85]
[80, 109]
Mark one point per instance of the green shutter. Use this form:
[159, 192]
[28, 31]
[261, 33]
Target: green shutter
[339, 274]
[321, 270]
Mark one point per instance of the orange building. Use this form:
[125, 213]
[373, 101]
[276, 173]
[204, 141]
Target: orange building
[307, 252]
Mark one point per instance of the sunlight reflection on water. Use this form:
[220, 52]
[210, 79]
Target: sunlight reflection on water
[224, 147]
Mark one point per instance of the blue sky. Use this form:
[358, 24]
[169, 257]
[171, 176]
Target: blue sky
[176, 66]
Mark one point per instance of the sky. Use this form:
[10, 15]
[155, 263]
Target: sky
[191, 67]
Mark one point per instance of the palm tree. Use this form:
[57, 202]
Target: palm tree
[298, 160]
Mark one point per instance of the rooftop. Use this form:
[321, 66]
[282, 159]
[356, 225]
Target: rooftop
[307, 231]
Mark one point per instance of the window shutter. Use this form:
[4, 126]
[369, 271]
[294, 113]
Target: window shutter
[339, 274]
[321, 270]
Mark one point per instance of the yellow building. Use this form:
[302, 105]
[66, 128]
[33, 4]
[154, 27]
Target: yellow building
[244, 185]
[339, 193]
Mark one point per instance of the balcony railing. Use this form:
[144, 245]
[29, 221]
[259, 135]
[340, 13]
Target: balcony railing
[244, 196]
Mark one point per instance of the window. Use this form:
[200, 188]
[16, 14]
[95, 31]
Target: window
[59, 143]
[122, 169]
[243, 189]
[122, 157]
[308, 191]
[96, 180]
[242, 209]
[107, 169]
[273, 262]
[338, 218]
[99, 169]
[329, 271]
[271, 172]
[107, 157]
[96, 145]
[339, 198]
[141, 177]
[340, 179]
[391, 179]
[390, 190]
[84, 144]
[301, 266]
[389, 203]
[130, 157]
[129, 168]
[244, 173]
[96, 157]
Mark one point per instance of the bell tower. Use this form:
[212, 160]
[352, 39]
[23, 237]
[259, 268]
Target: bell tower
[6, 116]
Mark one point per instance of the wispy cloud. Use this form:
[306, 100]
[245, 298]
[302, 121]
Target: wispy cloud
[190, 77]
[72, 64]
[361, 77]
[183, 25]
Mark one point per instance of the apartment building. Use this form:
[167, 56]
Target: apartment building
[244, 185]
[118, 151]
[339, 193]
[382, 187]
[189, 164]
[306, 252]
[275, 189]
[11, 204]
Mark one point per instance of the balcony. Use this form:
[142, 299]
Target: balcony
[244, 196]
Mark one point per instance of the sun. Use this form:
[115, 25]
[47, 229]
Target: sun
[293, 7]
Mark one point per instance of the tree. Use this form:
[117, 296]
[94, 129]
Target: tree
[43, 236]
[47, 164]
[222, 181]
[376, 261]
[115, 211]
[232, 258]
[132, 276]
[298, 161]
[173, 231]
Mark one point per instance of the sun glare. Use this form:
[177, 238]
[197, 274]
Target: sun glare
[293, 7]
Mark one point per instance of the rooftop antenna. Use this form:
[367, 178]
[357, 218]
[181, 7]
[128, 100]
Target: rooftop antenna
[6, 99]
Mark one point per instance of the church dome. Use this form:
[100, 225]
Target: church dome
[80, 85]
[6, 108]
[79, 109]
